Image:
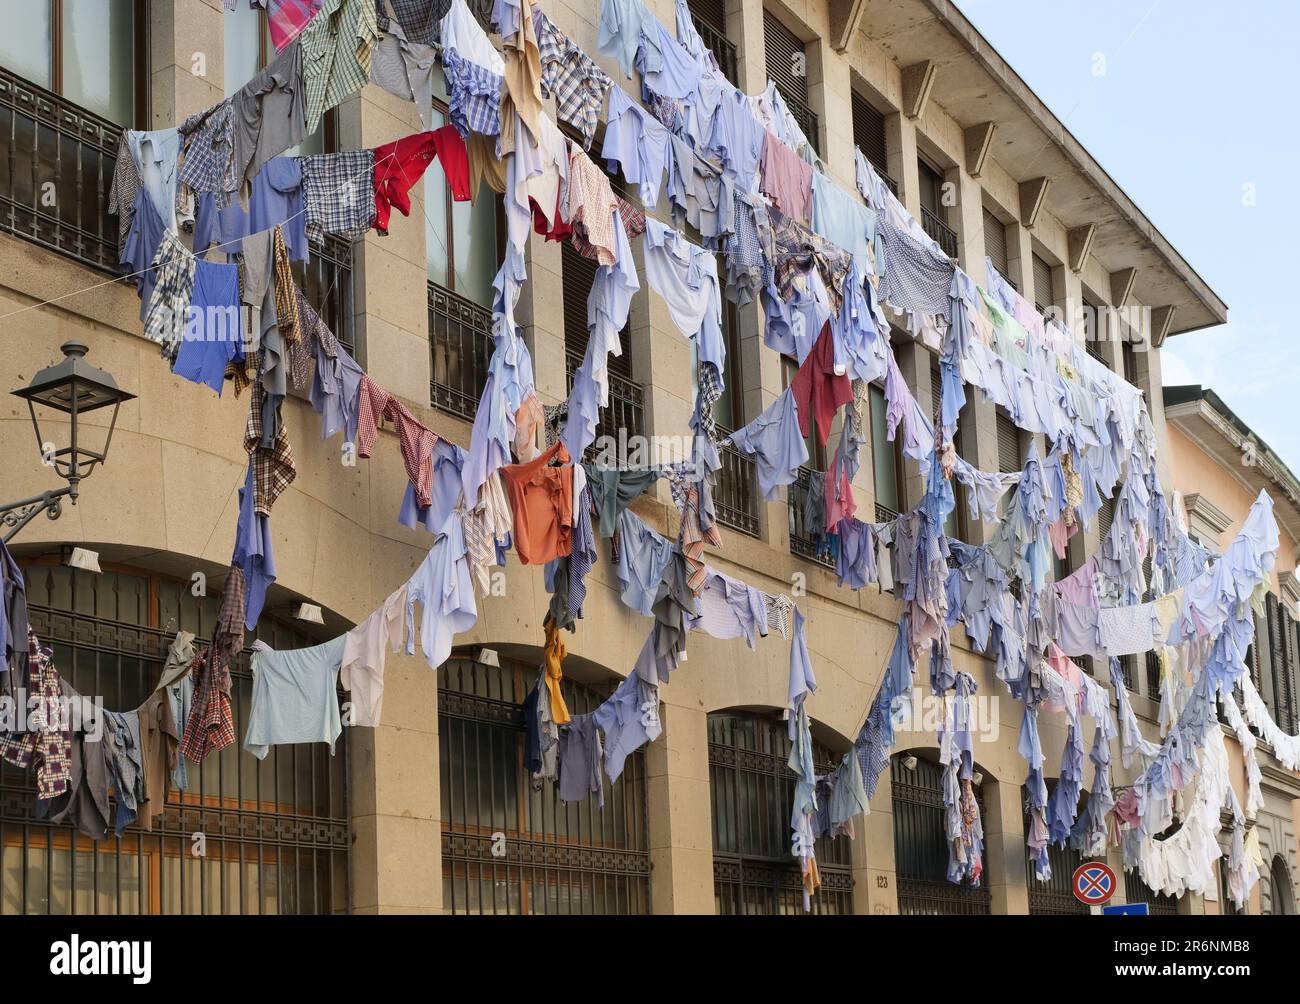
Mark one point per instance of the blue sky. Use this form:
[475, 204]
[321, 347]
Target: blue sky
[1198, 100]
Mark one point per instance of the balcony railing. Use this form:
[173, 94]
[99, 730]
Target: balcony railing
[626, 408]
[735, 497]
[326, 281]
[1153, 676]
[943, 234]
[722, 48]
[55, 177]
[460, 346]
[801, 540]
[808, 121]
[884, 514]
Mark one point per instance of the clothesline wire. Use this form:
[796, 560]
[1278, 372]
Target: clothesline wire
[348, 184]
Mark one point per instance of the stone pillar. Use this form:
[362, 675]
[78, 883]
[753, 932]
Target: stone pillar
[680, 814]
[875, 888]
[745, 29]
[186, 60]
[1004, 848]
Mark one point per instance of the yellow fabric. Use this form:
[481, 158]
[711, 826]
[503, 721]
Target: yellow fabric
[521, 90]
[1168, 607]
[553, 657]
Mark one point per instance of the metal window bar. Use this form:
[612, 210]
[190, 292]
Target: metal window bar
[943, 234]
[1153, 676]
[1055, 897]
[326, 281]
[921, 846]
[561, 858]
[752, 795]
[802, 541]
[460, 348]
[1137, 891]
[625, 411]
[735, 495]
[282, 849]
[56, 173]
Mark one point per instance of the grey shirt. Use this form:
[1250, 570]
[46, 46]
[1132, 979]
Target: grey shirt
[270, 114]
[295, 697]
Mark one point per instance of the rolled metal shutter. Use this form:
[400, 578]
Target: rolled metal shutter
[995, 243]
[1009, 458]
[781, 46]
[1042, 284]
[578, 274]
[869, 133]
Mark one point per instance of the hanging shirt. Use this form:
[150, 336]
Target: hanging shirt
[818, 392]
[269, 114]
[580, 757]
[570, 76]
[338, 194]
[737, 139]
[701, 195]
[686, 276]
[277, 200]
[642, 557]
[212, 336]
[415, 439]
[405, 69]
[786, 179]
[294, 697]
[637, 143]
[843, 220]
[336, 49]
[398, 166]
[445, 592]
[667, 69]
[365, 651]
[542, 499]
[774, 441]
[621, 25]
[629, 719]
[730, 608]
[155, 155]
[613, 490]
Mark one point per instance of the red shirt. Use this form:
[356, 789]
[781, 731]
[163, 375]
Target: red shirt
[818, 392]
[400, 164]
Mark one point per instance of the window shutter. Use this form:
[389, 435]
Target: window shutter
[869, 133]
[1009, 458]
[1042, 284]
[711, 12]
[1287, 701]
[578, 274]
[1272, 697]
[995, 243]
[781, 46]
[1105, 517]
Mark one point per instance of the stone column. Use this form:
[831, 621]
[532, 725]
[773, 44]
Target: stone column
[680, 814]
[186, 60]
[875, 887]
[1004, 848]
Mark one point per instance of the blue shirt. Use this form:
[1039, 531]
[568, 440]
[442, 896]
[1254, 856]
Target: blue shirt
[774, 441]
[737, 139]
[448, 461]
[253, 552]
[276, 200]
[677, 73]
[443, 588]
[213, 336]
[637, 143]
[642, 557]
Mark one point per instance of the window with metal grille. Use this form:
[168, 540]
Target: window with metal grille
[886, 459]
[561, 857]
[995, 243]
[710, 18]
[277, 829]
[1094, 329]
[752, 795]
[1137, 891]
[934, 214]
[787, 67]
[1010, 452]
[735, 495]
[1281, 662]
[1227, 906]
[921, 844]
[1281, 894]
[1105, 517]
[1042, 285]
[869, 134]
[1056, 895]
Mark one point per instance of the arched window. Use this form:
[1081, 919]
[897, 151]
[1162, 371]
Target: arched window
[276, 830]
[752, 793]
[559, 857]
[1281, 894]
[1227, 907]
[921, 847]
[1056, 895]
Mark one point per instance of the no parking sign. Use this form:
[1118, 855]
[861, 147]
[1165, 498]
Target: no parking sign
[1093, 883]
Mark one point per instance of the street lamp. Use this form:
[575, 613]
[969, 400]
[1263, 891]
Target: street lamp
[72, 387]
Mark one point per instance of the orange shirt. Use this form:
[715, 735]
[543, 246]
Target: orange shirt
[542, 500]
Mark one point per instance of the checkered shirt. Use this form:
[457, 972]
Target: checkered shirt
[579, 85]
[633, 225]
[339, 194]
[164, 321]
[708, 394]
[47, 743]
[209, 157]
[273, 468]
[336, 49]
[475, 104]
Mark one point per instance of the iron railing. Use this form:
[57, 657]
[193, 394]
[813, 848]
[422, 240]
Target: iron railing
[808, 121]
[560, 857]
[1153, 676]
[735, 495]
[1054, 897]
[1126, 667]
[326, 281]
[921, 845]
[460, 347]
[626, 408]
[1137, 891]
[723, 49]
[884, 514]
[277, 830]
[802, 541]
[56, 173]
[752, 793]
[943, 234]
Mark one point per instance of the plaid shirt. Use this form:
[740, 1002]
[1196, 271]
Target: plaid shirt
[799, 251]
[336, 49]
[123, 191]
[211, 725]
[164, 321]
[708, 394]
[420, 20]
[273, 468]
[633, 225]
[287, 19]
[416, 440]
[339, 194]
[48, 741]
[209, 154]
[475, 104]
[579, 85]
